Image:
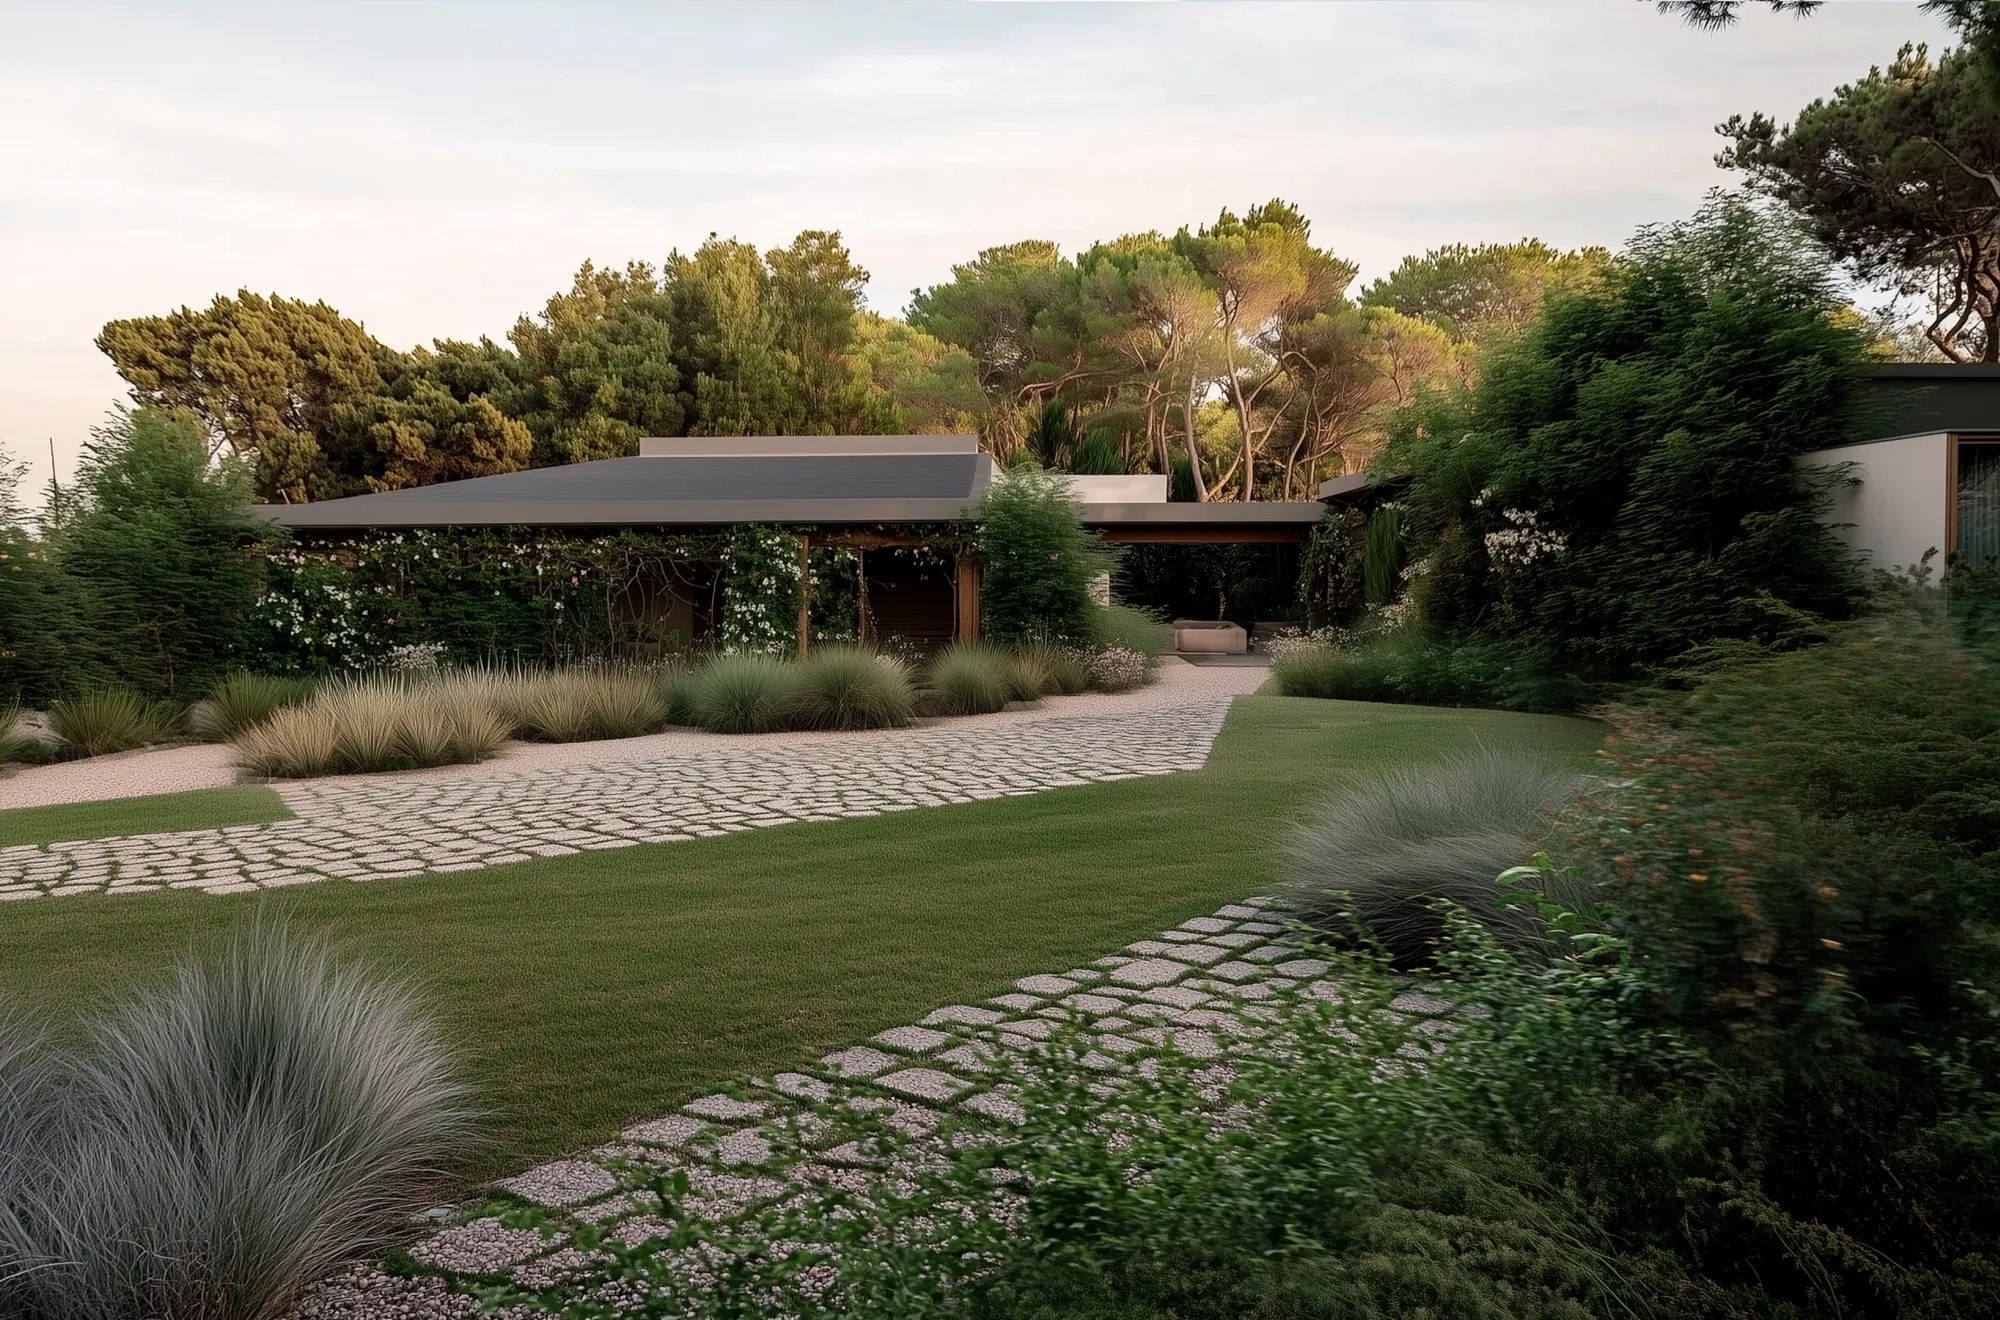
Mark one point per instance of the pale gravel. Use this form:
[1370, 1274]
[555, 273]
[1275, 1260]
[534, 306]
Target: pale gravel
[179, 769]
[1179, 683]
[125, 774]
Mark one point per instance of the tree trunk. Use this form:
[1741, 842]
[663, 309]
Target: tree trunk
[1194, 454]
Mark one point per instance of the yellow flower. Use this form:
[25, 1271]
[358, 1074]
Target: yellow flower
[1699, 877]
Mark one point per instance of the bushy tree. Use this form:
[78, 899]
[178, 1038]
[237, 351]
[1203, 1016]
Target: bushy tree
[265, 378]
[1038, 559]
[1620, 484]
[164, 556]
[1894, 174]
[1473, 292]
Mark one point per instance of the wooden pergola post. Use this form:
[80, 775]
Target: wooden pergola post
[805, 595]
[967, 580]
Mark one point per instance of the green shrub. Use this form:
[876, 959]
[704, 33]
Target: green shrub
[743, 694]
[1039, 561]
[1408, 667]
[222, 1142]
[676, 685]
[967, 679]
[1379, 856]
[162, 547]
[1620, 483]
[105, 720]
[1130, 628]
[243, 700]
[845, 687]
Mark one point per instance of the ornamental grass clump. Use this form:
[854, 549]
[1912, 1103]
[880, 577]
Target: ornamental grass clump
[217, 1144]
[1382, 855]
[676, 686]
[367, 725]
[105, 720]
[1130, 628]
[743, 694]
[243, 701]
[578, 705]
[967, 679]
[845, 687]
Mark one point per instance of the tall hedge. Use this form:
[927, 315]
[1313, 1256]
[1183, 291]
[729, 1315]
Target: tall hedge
[161, 558]
[1038, 559]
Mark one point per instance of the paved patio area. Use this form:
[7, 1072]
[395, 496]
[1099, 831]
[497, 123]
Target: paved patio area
[557, 801]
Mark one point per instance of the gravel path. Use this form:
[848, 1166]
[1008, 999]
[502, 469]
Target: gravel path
[548, 801]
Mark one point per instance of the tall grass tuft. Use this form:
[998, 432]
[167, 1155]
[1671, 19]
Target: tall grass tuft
[1380, 855]
[1130, 628]
[743, 694]
[105, 720]
[676, 684]
[967, 679]
[844, 687]
[16, 745]
[365, 725]
[579, 705]
[219, 1143]
[243, 701]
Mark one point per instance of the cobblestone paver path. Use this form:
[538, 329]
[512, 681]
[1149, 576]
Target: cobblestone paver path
[381, 828]
[1208, 990]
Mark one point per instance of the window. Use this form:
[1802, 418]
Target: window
[1976, 511]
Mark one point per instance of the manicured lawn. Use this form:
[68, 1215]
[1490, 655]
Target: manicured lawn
[202, 809]
[594, 990]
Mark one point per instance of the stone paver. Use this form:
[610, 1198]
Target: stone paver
[382, 828]
[790, 1143]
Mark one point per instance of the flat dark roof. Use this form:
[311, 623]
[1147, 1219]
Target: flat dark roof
[719, 489]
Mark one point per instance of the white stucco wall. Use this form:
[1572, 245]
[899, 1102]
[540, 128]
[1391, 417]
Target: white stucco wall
[1898, 510]
[1141, 489]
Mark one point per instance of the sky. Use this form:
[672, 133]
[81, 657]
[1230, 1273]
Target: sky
[434, 171]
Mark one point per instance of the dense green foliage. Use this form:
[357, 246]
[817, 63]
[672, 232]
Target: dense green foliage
[1619, 485]
[1039, 561]
[1884, 173]
[157, 565]
[1753, 1071]
[726, 340]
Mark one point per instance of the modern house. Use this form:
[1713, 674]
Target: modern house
[1926, 467]
[876, 495]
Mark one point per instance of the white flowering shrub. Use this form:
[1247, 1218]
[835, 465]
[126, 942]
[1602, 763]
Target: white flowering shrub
[1522, 541]
[760, 594]
[1117, 669]
[417, 657]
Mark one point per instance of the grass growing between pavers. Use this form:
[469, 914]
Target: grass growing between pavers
[594, 990]
[199, 809]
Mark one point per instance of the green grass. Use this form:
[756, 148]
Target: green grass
[201, 809]
[592, 991]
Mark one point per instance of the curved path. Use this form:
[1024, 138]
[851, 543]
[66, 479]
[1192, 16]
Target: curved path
[556, 801]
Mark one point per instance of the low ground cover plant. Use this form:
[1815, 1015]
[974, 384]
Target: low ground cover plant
[215, 1144]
